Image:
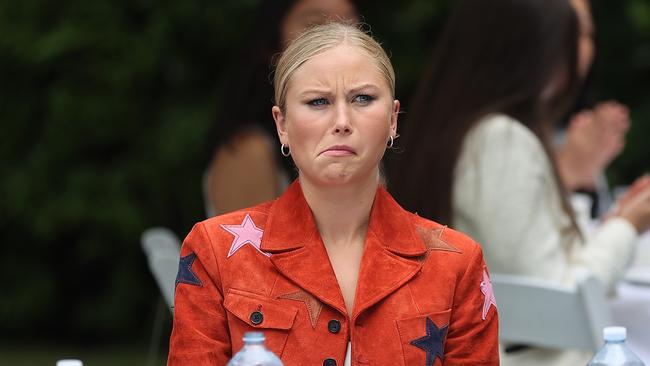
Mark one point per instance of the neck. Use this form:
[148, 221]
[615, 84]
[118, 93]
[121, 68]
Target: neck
[341, 212]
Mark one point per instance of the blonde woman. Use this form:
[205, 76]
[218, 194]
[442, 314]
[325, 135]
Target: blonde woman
[334, 272]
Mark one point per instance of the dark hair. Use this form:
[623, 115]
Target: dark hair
[248, 91]
[494, 56]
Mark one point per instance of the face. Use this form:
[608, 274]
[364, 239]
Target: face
[338, 118]
[305, 13]
[586, 36]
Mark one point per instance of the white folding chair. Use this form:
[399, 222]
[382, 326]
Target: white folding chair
[163, 248]
[543, 313]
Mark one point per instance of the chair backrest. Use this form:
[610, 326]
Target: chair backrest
[162, 248]
[543, 313]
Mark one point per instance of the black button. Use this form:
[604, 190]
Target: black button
[329, 362]
[334, 326]
[257, 318]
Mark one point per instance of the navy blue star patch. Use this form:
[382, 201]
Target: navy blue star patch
[433, 343]
[185, 273]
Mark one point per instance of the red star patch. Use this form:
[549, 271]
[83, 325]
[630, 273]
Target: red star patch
[432, 238]
[314, 306]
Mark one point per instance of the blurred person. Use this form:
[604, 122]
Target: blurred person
[245, 169]
[593, 137]
[334, 272]
[478, 153]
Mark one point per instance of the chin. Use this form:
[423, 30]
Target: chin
[332, 178]
[337, 179]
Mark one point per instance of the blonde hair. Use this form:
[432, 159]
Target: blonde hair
[319, 39]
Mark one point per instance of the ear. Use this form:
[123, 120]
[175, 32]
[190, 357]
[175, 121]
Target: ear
[393, 118]
[280, 125]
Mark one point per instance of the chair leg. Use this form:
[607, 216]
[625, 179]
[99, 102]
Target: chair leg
[156, 333]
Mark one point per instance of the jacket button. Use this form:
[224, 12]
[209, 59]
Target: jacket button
[329, 362]
[256, 318]
[334, 326]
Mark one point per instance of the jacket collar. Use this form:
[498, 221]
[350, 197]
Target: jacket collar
[290, 224]
[390, 259]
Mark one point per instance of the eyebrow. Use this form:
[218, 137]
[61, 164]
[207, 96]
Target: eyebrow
[362, 87]
[354, 90]
[315, 91]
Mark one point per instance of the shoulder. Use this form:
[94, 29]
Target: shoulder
[250, 146]
[500, 128]
[443, 240]
[245, 148]
[250, 139]
[216, 233]
[500, 142]
[256, 214]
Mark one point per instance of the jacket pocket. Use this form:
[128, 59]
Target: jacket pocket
[429, 331]
[249, 312]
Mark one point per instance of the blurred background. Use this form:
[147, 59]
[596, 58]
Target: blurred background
[104, 113]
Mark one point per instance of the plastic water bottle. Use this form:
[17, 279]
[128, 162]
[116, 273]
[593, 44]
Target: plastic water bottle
[254, 353]
[615, 351]
[69, 362]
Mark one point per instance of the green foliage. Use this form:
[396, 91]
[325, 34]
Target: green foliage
[622, 72]
[104, 109]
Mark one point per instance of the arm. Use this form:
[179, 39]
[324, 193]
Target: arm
[473, 329]
[243, 173]
[200, 333]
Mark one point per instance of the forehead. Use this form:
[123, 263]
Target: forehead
[342, 63]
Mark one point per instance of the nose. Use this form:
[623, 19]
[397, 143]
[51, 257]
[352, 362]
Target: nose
[342, 122]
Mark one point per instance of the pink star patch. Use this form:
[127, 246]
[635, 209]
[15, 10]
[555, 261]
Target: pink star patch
[246, 233]
[486, 289]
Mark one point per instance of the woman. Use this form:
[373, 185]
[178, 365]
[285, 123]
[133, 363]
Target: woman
[479, 134]
[243, 136]
[335, 260]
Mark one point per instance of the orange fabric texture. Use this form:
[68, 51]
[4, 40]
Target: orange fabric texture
[417, 281]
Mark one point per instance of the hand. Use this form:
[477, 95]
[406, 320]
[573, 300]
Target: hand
[593, 139]
[634, 204]
[639, 185]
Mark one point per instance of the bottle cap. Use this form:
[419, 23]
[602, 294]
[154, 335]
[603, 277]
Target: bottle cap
[254, 337]
[69, 363]
[614, 334]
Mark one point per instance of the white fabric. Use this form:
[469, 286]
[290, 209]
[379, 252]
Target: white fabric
[506, 198]
[348, 356]
[631, 309]
[631, 306]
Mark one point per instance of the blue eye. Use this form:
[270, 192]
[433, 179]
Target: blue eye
[318, 102]
[363, 99]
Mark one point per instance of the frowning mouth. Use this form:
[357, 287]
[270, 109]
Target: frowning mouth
[339, 150]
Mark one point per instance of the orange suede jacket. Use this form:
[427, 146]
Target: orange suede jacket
[423, 295]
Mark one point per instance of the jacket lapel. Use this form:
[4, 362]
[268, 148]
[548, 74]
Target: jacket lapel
[392, 253]
[292, 237]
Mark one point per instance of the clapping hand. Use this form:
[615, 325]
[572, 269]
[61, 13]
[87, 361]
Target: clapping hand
[593, 139]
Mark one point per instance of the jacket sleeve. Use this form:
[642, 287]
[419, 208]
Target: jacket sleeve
[472, 338]
[200, 332]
